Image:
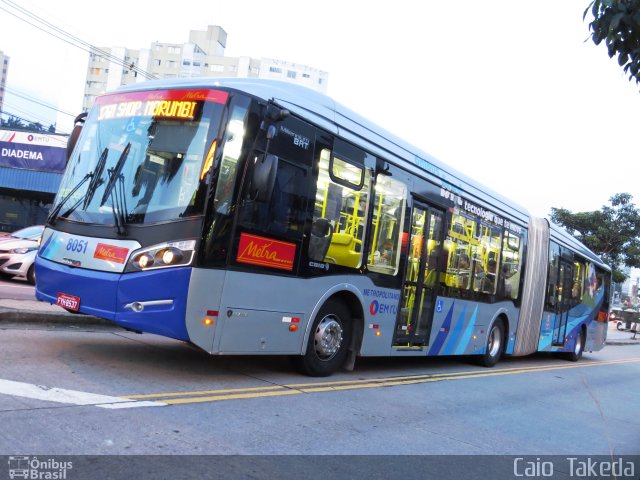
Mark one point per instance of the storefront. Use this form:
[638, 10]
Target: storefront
[31, 168]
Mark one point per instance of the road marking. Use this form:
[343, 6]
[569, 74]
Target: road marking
[73, 397]
[177, 398]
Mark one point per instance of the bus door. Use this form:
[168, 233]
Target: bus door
[563, 301]
[415, 317]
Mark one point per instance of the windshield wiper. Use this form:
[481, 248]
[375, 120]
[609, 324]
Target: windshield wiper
[53, 215]
[97, 180]
[118, 202]
[115, 172]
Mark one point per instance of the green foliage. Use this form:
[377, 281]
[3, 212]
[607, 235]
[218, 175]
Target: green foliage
[617, 22]
[613, 233]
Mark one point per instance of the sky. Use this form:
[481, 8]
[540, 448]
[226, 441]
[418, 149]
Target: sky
[511, 93]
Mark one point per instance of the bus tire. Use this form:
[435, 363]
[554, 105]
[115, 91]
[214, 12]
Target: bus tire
[328, 341]
[495, 344]
[578, 348]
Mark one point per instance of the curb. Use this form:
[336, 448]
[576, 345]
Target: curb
[630, 341]
[38, 317]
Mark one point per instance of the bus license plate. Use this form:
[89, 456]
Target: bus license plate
[68, 302]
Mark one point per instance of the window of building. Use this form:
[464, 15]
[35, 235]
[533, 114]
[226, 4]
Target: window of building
[275, 69]
[216, 68]
[186, 62]
[173, 50]
[291, 74]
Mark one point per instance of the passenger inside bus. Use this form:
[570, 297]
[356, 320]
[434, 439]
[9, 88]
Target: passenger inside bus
[384, 256]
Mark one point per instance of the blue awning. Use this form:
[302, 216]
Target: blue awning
[19, 179]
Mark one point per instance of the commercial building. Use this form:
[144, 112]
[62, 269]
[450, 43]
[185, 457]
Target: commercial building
[202, 55]
[4, 62]
[31, 168]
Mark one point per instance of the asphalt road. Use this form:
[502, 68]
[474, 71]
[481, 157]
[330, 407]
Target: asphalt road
[16, 289]
[142, 394]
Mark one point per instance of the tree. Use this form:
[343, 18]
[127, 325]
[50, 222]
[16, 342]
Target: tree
[617, 22]
[613, 233]
[13, 123]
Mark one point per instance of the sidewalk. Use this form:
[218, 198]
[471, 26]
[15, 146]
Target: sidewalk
[35, 312]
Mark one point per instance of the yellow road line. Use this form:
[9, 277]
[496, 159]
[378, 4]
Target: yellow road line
[299, 388]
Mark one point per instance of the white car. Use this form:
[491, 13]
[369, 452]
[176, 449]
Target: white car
[18, 253]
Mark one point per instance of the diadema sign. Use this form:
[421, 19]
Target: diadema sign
[33, 151]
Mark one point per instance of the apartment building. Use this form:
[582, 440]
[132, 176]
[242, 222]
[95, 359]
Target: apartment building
[202, 55]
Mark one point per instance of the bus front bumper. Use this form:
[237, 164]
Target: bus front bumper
[153, 301]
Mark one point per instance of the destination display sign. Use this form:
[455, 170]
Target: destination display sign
[178, 104]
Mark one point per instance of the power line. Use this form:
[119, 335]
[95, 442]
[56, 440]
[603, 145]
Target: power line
[17, 94]
[70, 39]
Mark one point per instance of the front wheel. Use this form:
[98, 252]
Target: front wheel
[619, 326]
[31, 275]
[328, 341]
[495, 345]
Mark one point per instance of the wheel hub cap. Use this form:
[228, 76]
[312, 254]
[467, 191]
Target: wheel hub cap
[328, 338]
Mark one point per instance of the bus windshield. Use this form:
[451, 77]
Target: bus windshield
[142, 158]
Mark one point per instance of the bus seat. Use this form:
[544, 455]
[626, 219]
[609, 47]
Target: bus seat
[342, 250]
[320, 240]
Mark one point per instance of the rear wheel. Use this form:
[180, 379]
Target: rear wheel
[578, 348]
[495, 345]
[328, 341]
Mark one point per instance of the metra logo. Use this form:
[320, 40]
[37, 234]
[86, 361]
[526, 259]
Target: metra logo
[111, 253]
[266, 252]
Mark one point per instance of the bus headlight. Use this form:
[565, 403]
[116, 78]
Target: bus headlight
[171, 254]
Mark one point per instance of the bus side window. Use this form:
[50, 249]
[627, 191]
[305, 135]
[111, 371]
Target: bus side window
[512, 246]
[553, 289]
[386, 228]
[340, 212]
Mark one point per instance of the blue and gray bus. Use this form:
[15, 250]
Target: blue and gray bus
[250, 216]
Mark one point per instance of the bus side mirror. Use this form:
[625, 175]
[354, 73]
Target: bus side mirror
[263, 180]
[78, 123]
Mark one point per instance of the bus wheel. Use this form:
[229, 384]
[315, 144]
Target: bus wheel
[577, 349]
[328, 341]
[495, 344]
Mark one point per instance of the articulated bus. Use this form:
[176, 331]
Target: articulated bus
[251, 216]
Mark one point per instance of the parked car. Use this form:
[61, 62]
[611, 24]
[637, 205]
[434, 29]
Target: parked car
[625, 318]
[18, 253]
